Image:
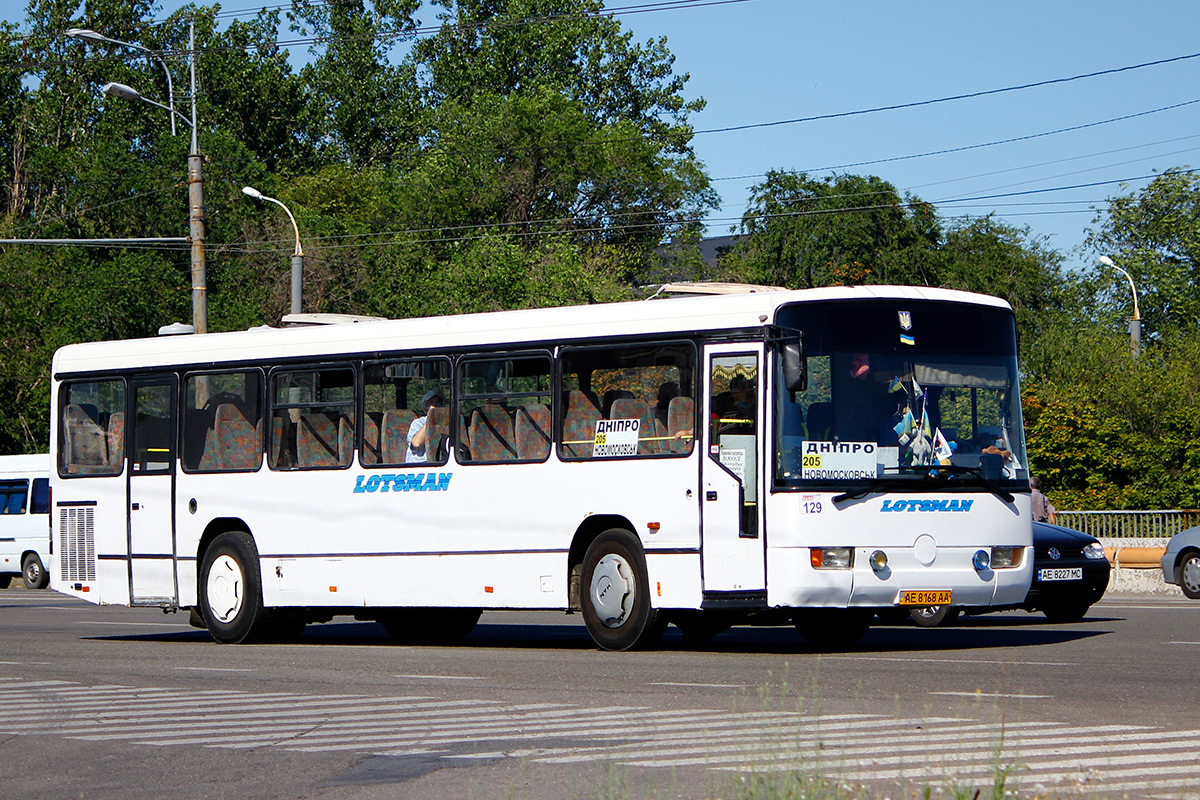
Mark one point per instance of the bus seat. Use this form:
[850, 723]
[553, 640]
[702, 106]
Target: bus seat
[86, 442]
[579, 425]
[393, 438]
[317, 441]
[532, 430]
[636, 408]
[435, 437]
[371, 452]
[681, 419]
[612, 396]
[237, 441]
[491, 433]
[116, 439]
[345, 440]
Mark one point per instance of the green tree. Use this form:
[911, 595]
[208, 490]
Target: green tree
[1154, 235]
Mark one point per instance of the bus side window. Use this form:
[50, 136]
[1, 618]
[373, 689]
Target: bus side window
[222, 428]
[392, 399]
[504, 406]
[312, 418]
[91, 429]
[649, 389]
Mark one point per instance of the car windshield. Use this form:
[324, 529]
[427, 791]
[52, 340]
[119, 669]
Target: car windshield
[904, 391]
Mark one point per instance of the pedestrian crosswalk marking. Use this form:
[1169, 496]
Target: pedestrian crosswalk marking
[850, 746]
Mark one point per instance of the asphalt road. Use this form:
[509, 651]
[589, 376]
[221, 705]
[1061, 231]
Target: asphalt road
[100, 702]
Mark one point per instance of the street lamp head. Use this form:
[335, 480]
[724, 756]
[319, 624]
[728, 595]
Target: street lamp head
[250, 191]
[121, 90]
[85, 33]
[1106, 261]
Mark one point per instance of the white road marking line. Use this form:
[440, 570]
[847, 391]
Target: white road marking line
[701, 685]
[942, 662]
[444, 677]
[997, 694]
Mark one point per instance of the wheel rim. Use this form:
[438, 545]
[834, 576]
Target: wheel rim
[33, 573]
[613, 590]
[1191, 573]
[225, 588]
[927, 612]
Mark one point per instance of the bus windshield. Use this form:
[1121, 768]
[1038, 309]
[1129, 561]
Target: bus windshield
[905, 391]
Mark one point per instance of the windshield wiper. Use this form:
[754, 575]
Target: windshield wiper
[878, 484]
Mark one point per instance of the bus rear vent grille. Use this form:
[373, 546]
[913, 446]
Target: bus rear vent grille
[77, 544]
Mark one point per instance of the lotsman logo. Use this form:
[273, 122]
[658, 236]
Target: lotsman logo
[404, 482]
[927, 505]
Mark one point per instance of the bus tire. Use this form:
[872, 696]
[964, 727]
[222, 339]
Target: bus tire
[231, 589]
[616, 594]
[933, 616]
[33, 573]
[829, 628]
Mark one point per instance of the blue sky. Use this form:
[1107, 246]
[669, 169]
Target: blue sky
[767, 60]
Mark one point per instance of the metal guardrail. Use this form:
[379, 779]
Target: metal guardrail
[1130, 524]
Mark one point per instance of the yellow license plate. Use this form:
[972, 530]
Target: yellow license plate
[925, 597]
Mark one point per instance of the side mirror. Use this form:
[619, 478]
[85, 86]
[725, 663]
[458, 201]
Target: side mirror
[795, 367]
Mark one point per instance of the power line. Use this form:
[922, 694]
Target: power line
[949, 98]
[965, 148]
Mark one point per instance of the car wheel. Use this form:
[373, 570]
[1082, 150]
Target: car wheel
[933, 616]
[616, 594]
[231, 590]
[829, 628]
[1187, 571]
[33, 573]
[1066, 612]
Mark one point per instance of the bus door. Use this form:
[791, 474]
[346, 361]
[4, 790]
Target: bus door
[152, 492]
[732, 545]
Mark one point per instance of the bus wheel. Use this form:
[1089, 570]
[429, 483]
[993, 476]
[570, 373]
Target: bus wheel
[616, 601]
[33, 573]
[833, 627]
[430, 625]
[933, 616]
[231, 588]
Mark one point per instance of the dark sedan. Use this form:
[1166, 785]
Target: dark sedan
[1070, 573]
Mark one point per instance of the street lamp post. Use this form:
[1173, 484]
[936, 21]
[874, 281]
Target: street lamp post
[195, 164]
[91, 36]
[297, 256]
[1135, 322]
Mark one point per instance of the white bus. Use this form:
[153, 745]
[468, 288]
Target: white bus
[25, 520]
[784, 457]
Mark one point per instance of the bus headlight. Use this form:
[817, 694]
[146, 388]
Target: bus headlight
[1007, 557]
[981, 560]
[832, 557]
